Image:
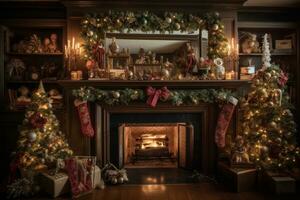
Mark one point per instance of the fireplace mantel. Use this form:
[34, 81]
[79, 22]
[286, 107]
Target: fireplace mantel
[184, 84]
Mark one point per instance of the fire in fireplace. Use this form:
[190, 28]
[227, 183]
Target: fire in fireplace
[156, 145]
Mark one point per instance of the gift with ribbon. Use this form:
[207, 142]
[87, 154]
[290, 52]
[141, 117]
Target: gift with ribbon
[155, 94]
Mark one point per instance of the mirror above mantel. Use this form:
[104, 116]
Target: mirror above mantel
[126, 45]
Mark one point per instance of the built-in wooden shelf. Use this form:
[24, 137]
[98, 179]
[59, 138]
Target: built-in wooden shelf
[34, 54]
[30, 81]
[272, 54]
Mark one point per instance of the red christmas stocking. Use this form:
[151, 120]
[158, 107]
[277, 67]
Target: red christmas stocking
[223, 121]
[84, 116]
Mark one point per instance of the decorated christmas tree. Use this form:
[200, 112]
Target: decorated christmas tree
[40, 142]
[39, 146]
[267, 125]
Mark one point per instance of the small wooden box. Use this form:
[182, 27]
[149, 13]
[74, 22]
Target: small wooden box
[237, 179]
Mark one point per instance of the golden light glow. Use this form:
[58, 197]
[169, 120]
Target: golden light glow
[152, 141]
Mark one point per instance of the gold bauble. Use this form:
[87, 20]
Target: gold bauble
[177, 26]
[268, 75]
[215, 27]
[257, 81]
[273, 124]
[271, 103]
[195, 101]
[134, 95]
[278, 140]
[116, 94]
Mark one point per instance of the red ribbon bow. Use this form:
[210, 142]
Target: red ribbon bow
[155, 94]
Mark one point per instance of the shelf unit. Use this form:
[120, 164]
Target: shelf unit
[287, 60]
[15, 30]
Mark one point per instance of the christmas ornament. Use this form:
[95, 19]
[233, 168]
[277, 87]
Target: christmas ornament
[177, 26]
[116, 94]
[168, 20]
[32, 136]
[37, 121]
[134, 95]
[145, 21]
[120, 180]
[215, 27]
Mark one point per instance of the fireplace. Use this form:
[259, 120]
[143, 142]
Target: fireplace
[139, 137]
[156, 145]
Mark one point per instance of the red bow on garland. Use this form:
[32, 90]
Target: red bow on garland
[154, 94]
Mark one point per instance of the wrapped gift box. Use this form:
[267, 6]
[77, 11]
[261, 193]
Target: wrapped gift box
[55, 185]
[278, 183]
[237, 179]
[58, 184]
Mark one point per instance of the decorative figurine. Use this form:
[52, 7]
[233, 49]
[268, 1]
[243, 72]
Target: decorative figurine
[240, 155]
[99, 54]
[219, 69]
[16, 69]
[250, 43]
[142, 57]
[114, 47]
[46, 44]
[53, 43]
[24, 95]
[55, 95]
[191, 61]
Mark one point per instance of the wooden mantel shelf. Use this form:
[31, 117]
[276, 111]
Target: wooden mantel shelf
[187, 84]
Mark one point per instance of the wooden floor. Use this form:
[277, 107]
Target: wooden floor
[203, 191]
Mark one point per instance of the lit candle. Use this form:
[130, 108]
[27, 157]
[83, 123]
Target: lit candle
[237, 49]
[66, 51]
[232, 44]
[229, 50]
[73, 43]
[69, 44]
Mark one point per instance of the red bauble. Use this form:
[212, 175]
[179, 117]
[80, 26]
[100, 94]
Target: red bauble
[37, 121]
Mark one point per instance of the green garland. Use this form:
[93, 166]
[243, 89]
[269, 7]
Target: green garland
[177, 97]
[94, 27]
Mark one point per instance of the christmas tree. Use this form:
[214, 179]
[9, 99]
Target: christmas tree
[40, 142]
[267, 125]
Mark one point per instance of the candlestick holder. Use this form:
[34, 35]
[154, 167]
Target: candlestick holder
[72, 60]
[232, 59]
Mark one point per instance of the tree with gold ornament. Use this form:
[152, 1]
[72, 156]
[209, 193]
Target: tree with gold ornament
[40, 142]
[267, 125]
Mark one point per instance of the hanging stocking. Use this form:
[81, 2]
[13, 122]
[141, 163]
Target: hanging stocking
[223, 121]
[84, 116]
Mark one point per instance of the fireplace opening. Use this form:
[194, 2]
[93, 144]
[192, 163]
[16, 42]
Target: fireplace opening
[156, 145]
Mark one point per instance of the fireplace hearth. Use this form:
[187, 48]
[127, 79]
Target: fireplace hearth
[156, 145]
[139, 137]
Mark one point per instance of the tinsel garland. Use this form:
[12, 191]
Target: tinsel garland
[94, 26]
[177, 97]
